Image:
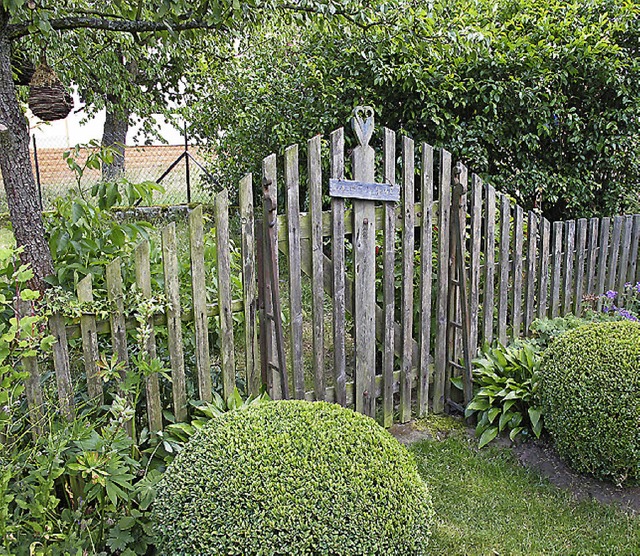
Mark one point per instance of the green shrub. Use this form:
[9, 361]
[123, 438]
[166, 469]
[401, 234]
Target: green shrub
[590, 393]
[292, 477]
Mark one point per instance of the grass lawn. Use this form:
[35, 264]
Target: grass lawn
[487, 503]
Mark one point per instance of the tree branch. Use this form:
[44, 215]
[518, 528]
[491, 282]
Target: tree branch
[116, 25]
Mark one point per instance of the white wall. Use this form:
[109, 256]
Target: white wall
[70, 132]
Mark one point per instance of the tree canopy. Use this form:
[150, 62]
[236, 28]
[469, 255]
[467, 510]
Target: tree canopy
[541, 98]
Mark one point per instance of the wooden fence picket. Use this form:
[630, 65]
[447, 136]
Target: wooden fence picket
[505, 263]
[489, 264]
[567, 267]
[174, 321]
[614, 254]
[475, 238]
[543, 275]
[249, 287]
[33, 385]
[556, 269]
[625, 248]
[581, 245]
[603, 244]
[292, 185]
[200, 318]
[532, 265]
[408, 249]
[224, 294]
[388, 285]
[592, 257]
[338, 275]
[90, 341]
[632, 275]
[518, 240]
[152, 383]
[314, 169]
[62, 366]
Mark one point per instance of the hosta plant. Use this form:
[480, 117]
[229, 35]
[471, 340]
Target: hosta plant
[506, 380]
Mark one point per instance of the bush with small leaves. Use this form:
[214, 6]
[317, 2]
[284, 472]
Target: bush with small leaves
[293, 477]
[590, 393]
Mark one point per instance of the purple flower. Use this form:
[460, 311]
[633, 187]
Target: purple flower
[628, 285]
[611, 294]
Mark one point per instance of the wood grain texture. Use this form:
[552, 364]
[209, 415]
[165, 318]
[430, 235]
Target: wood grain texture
[249, 286]
[90, 352]
[32, 384]
[556, 268]
[388, 280]
[568, 264]
[518, 244]
[581, 246]
[488, 295]
[543, 273]
[62, 366]
[603, 254]
[199, 293]
[442, 296]
[364, 264]
[336, 156]
[426, 279]
[475, 239]
[152, 385]
[174, 322]
[632, 275]
[408, 255]
[592, 257]
[614, 253]
[314, 170]
[292, 185]
[227, 351]
[505, 263]
[625, 249]
[532, 265]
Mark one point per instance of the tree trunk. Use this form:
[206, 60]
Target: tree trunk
[114, 135]
[17, 173]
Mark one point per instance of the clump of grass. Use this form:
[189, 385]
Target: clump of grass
[487, 503]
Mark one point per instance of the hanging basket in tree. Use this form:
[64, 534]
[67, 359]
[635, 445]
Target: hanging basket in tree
[48, 99]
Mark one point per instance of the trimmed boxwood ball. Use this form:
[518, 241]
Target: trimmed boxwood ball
[590, 394]
[293, 477]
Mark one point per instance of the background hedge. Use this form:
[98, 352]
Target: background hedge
[292, 477]
[590, 392]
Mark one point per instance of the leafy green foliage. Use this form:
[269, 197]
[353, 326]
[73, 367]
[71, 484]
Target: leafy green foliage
[590, 393]
[540, 98]
[507, 380]
[292, 477]
[545, 331]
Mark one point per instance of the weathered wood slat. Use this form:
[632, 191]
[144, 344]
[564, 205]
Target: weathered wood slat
[90, 341]
[62, 366]
[603, 253]
[556, 271]
[388, 285]
[503, 286]
[625, 248]
[581, 245]
[426, 277]
[543, 276]
[632, 275]
[292, 185]
[489, 268]
[338, 274]
[199, 293]
[408, 254]
[152, 385]
[314, 170]
[518, 241]
[174, 322]
[277, 377]
[474, 260]
[614, 254]
[32, 384]
[532, 265]
[567, 271]
[364, 270]
[227, 351]
[592, 256]
[444, 216]
[118, 326]
[249, 287]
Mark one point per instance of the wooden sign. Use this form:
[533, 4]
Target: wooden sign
[364, 191]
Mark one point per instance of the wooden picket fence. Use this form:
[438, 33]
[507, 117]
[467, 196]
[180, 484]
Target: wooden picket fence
[455, 267]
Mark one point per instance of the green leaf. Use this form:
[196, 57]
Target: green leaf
[457, 382]
[487, 436]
